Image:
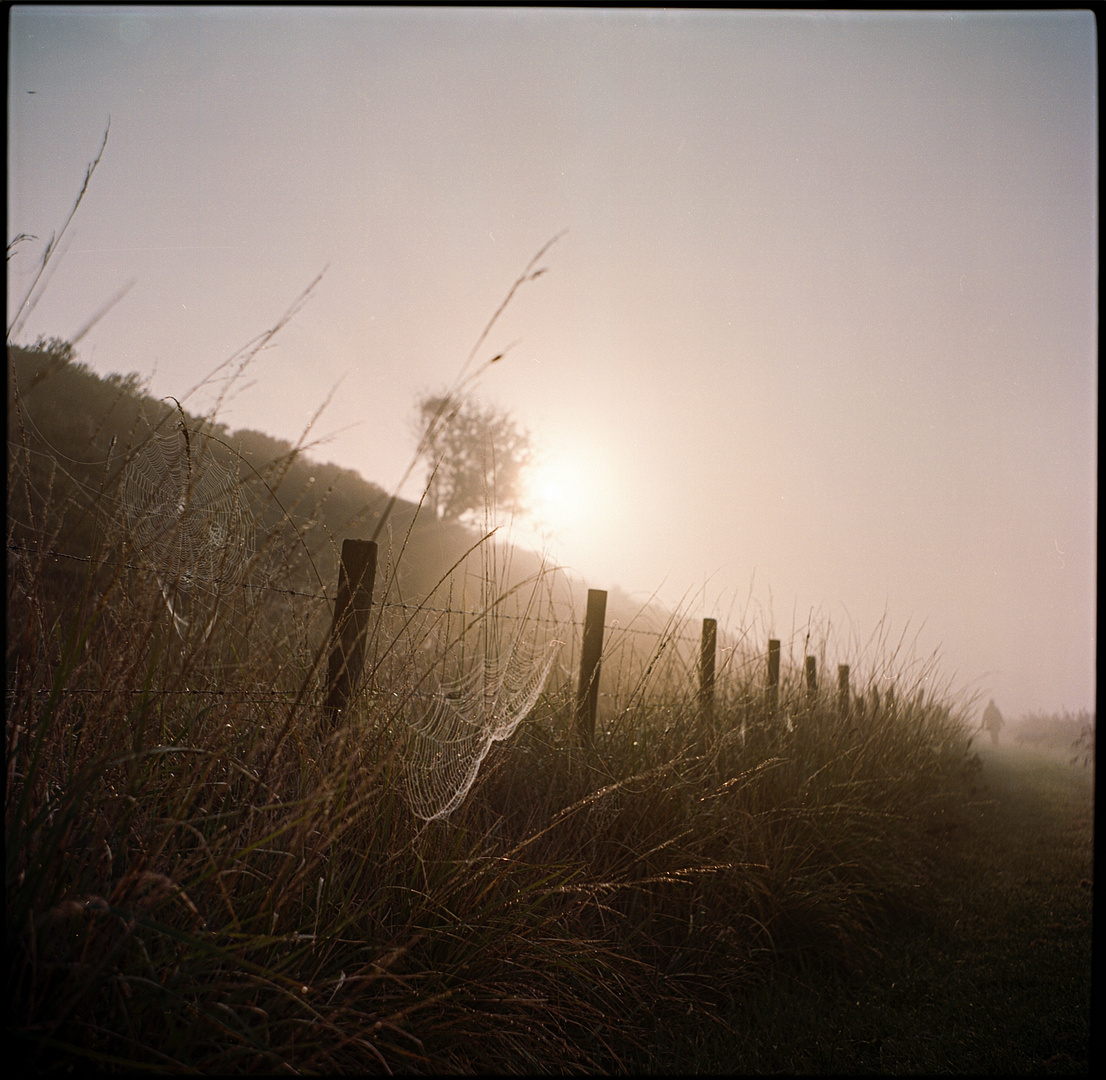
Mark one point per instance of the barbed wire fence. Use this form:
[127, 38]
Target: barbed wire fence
[635, 660]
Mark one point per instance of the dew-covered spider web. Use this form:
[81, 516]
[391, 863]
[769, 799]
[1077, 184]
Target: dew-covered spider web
[450, 731]
[187, 520]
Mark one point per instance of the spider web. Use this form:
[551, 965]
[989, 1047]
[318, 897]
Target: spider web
[187, 519]
[449, 735]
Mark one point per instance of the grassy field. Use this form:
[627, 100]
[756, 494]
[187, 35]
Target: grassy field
[203, 873]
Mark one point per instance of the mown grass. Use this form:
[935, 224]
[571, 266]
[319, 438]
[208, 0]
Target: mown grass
[992, 976]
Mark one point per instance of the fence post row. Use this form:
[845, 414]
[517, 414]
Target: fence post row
[707, 648]
[349, 633]
[351, 624]
[591, 649]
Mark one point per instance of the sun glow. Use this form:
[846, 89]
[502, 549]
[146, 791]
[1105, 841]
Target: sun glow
[556, 495]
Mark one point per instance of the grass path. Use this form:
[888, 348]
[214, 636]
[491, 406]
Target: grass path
[995, 978]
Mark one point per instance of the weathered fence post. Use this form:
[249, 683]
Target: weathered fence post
[773, 673]
[351, 624]
[587, 696]
[707, 648]
[811, 676]
[843, 689]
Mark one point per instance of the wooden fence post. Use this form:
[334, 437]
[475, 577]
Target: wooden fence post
[843, 689]
[351, 624]
[591, 649]
[707, 648]
[811, 676]
[773, 673]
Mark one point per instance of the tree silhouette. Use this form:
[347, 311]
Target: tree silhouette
[475, 456]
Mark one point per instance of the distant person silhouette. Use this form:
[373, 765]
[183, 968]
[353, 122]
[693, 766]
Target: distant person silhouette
[992, 721]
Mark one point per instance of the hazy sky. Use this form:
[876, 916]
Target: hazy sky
[823, 325]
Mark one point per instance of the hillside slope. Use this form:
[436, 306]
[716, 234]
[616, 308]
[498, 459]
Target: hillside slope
[73, 433]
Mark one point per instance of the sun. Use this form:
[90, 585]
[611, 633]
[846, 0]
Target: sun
[555, 493]
[551, 491]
